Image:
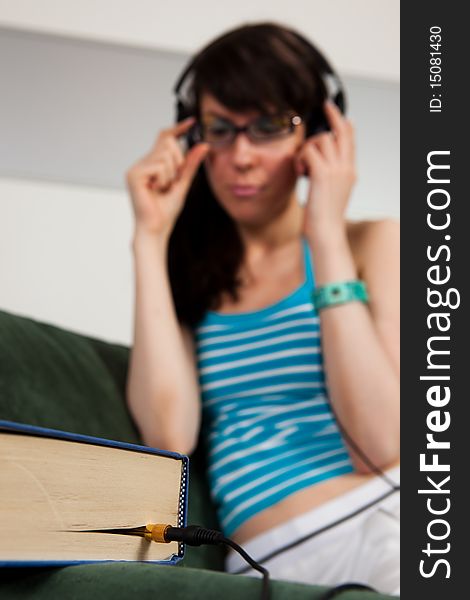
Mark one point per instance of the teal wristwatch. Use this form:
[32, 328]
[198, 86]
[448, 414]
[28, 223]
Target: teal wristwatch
[333, 294]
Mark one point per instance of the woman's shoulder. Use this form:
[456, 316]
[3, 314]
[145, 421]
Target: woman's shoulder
[361, 231]
[373, 240]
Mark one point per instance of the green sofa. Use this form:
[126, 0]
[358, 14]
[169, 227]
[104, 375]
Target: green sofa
[54, 378]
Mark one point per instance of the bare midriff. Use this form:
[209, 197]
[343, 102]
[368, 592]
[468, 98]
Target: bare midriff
[299, 503]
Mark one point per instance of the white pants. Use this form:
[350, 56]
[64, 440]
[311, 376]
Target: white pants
[362, 548]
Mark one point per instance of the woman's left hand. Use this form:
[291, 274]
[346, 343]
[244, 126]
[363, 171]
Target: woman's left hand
[329, 160]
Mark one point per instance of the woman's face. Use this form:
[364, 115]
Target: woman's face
[253, 181]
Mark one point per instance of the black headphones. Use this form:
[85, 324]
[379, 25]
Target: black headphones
[316, 120]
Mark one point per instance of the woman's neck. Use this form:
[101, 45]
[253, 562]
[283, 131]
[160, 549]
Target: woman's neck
[280, 230]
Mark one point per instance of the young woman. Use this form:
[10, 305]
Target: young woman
[271, 326]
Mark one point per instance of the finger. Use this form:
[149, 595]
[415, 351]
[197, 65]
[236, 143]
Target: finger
[169, 165]
[174, 132]
[155, 174]
[175, 153]
[326, 144]
[343, 130]
[182, 127]
[335, 117]
[166, 147]
[193, 159]
[310, 159]
[163, 166]
[162, 158]
[315, 158]
[348, 146]
[161, 177]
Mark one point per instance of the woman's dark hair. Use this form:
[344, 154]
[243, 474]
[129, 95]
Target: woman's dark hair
[254, 67]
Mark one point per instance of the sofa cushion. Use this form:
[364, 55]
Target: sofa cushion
[55, 378]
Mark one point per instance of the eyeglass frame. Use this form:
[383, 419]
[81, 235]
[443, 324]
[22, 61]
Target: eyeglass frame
[196, 133]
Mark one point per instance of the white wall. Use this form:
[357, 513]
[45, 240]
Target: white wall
[65, 256]
[361, 35]
[65, 242]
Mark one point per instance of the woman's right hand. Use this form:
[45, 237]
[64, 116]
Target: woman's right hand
[159, 182]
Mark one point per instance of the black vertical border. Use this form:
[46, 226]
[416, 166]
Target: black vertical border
[421, 133]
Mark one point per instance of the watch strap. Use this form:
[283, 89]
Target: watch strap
[333, 294]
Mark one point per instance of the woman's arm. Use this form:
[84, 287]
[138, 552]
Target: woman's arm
[359, 341]
[162, 389]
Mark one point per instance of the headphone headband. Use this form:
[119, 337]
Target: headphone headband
[316, 121]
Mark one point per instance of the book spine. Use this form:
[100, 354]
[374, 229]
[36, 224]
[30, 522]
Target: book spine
[183, 501]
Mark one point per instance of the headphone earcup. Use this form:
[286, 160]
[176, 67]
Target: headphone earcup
[182, 113]
[191, 138]
[317, 121]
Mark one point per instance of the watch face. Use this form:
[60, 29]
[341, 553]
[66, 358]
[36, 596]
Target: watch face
[339, 293]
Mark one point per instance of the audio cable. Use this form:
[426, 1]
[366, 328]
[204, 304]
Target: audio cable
[194, 535]
[394, 488]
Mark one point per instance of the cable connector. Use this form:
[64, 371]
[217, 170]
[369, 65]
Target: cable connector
[193, 535]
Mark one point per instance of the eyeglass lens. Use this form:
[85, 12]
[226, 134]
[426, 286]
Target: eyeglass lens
[219, 131]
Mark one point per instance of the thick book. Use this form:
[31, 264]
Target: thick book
[67, 498]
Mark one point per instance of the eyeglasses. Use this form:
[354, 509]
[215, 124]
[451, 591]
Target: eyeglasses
[220, 132]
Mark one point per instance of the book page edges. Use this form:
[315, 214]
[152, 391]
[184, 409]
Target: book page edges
[54, 491]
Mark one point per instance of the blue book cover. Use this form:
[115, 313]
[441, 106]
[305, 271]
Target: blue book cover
[70, 499]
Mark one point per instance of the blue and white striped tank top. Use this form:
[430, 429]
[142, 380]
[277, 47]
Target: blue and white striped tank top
[267, 421]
